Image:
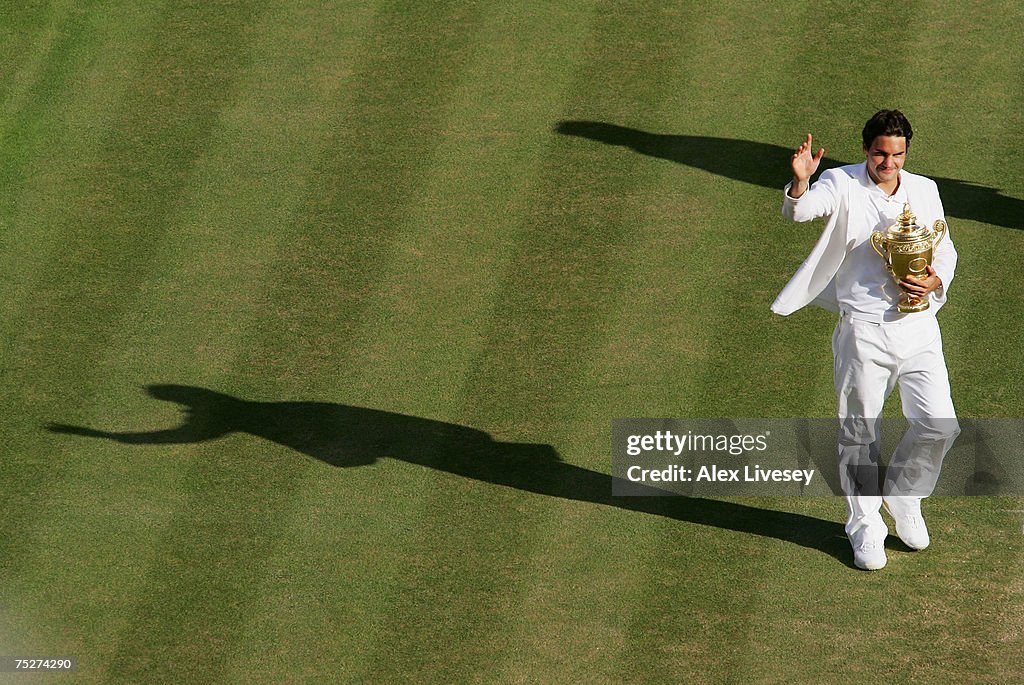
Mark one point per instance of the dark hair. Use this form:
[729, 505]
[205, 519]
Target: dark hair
[888, 122]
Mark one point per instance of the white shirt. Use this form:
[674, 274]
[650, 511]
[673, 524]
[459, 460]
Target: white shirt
[864, 288]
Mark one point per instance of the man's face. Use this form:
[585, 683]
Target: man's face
[885, 158]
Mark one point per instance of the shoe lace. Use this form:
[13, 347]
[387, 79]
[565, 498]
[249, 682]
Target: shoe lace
[868, 546]
[913, 520]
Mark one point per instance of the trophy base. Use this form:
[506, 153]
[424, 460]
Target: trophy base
[910, 305]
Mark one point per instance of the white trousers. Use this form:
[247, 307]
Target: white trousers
[870, 360]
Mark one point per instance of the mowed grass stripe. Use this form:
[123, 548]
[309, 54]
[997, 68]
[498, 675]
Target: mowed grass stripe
[706, 278]
[37, 64]
[37, 466]
[667, 341]
[344, 235]
[54, 128]
[668, 301]
[570, 252]
[90, 283]
[570, 275]
[737, 235]
[97, 314]
[117, 216]
[735, 222]
[628, 377]
[43, 150]
[22, 40]
[969, 139]
[343, 239]
[203, 294]
[973, 318]
[462, 214]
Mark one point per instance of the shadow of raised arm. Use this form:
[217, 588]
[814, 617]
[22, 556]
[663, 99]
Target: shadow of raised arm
[182, 434]
[208, 415]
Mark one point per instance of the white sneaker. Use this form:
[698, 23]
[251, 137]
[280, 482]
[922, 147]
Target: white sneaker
[868, 551]
[906, 512]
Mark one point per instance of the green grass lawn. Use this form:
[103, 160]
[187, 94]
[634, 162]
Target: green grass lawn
[442, 221]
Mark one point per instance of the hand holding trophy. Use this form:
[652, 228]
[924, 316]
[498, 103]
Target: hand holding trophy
[907, 249]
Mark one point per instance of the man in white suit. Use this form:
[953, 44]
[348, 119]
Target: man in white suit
[876, 347]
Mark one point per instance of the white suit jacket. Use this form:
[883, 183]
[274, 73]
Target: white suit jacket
[839, 195]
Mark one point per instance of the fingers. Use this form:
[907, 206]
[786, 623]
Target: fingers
[804, 163]
[918, 286]
[804, 146]
[912, 287]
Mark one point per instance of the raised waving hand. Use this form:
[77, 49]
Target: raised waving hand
[804, 165]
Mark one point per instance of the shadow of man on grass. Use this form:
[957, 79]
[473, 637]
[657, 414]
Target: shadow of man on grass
[346, 436]
[767, 165]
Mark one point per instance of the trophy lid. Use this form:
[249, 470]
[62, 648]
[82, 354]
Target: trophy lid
[906, 226]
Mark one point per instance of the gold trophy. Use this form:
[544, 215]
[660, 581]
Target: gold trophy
[907, 249]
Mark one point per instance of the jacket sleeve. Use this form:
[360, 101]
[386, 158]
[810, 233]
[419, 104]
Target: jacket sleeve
[944, 258]
[821, 199]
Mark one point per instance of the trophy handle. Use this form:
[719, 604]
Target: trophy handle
[941, 229]
[878, 244]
